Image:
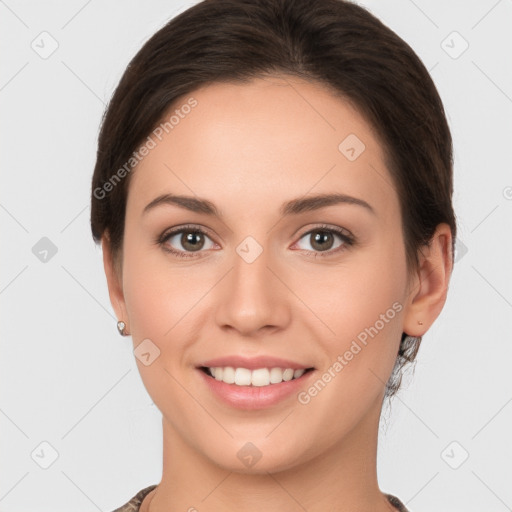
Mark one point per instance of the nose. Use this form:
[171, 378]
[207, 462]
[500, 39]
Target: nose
[252, 300]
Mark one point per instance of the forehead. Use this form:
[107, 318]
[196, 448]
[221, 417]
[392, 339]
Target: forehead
[271, 137]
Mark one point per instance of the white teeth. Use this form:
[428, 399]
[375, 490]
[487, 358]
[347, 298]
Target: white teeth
[242, 377]
[276, 375]
[228, 375]
[259, 377]
[298, 373]
[288, 374]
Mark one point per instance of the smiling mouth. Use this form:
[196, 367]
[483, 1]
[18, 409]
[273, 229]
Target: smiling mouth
[258, 378]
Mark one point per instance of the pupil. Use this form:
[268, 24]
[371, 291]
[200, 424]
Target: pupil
[320, 238]
[189, 241]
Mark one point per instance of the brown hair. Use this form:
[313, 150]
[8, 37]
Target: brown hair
[332, 42]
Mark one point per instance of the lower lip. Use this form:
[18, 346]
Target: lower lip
[255, 397]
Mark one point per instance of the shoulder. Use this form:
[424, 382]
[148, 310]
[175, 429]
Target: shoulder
[396, 503]
[133, 504]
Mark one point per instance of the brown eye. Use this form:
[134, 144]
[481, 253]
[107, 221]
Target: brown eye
[321, 240]
[183, 241]
[192, 241]
[326, 240]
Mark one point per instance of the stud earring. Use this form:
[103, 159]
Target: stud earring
[420, 322]
[121, 326]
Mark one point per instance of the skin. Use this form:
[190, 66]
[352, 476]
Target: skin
[248, 148]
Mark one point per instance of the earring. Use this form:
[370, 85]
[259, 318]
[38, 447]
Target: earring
[420, 322]
[121, 326]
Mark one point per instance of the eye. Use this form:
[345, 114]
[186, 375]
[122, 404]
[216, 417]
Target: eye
[183, 240]
[323, 240]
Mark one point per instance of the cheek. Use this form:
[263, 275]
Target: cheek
[157, 292]
[364, 315]
[365, 312]
[160, 302]
[351, 296]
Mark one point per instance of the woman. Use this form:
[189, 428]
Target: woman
[272, 193]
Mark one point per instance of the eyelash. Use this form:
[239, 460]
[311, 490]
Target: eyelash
[347, 239]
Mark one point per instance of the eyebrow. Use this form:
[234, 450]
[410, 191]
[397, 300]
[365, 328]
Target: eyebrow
[293, 207]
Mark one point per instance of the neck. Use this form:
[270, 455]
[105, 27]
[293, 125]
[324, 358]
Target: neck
[341, 479]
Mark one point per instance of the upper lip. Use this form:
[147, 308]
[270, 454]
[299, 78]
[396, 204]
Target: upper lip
[253, 363]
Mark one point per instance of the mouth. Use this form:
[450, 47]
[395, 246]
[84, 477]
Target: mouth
[260, 377]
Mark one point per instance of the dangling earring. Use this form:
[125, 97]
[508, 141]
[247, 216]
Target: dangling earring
[121, 326]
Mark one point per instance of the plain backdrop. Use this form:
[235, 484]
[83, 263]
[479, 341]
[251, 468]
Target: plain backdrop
[78, 430]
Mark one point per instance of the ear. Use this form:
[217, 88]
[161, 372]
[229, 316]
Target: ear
[113, 274]
[430, 285]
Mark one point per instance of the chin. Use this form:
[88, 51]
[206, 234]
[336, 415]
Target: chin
[257, 457]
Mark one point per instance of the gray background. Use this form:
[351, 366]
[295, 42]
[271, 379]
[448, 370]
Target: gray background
[69, 381]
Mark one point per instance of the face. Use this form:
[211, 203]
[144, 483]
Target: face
[263, 270]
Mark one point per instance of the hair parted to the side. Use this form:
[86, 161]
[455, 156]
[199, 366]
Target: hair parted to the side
[332, 42]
